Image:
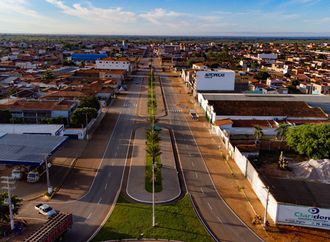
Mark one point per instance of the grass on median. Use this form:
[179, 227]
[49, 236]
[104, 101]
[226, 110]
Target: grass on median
[174, 222]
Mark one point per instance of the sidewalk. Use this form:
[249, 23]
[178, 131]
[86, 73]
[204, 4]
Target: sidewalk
[136, 177]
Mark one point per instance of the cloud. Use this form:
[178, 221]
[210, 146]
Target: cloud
[90, 12]
[161, 16]
[17, 6]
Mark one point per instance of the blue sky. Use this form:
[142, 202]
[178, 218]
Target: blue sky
[166, 17]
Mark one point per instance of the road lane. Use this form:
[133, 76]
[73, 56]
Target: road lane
[219, 217]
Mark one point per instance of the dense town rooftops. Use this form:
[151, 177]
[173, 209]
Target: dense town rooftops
[266, 108]
[116, 59]
[36, 105]
[64, 94]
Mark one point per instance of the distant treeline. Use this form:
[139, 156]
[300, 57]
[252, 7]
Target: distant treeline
[44, 37]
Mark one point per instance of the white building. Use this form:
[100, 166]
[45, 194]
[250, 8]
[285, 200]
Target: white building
[268, 58]
[114, 64]
[214, 80]
[45, 129]
[25, 65]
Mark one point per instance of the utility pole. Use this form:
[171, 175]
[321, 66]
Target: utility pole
[49, 187]
[153, 194]
[9, 182]
[266, 208]
[153, 158]
[86, 126]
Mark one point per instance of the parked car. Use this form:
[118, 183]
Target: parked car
[18, 173]
[33, 176]
[45, 209]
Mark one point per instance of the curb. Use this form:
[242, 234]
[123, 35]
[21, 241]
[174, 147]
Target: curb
[150, 202]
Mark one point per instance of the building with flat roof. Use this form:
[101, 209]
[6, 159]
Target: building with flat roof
[33, 111]
[44, 129]
[28, 149]
[88, 57]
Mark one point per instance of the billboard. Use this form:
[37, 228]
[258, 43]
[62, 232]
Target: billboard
[221, 80]
[304, 216]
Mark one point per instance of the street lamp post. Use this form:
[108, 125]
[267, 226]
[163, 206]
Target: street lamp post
[153, 193]
[49, 187]
[266, 208]
[9, 182]
[86, 125]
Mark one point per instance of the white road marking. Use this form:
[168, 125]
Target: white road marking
[208, 204]
[89, 216]
[99, 200]
[193, 164]
[196, 175]
[219, 219]
[109, 173]
[202, 190]
[106, 185]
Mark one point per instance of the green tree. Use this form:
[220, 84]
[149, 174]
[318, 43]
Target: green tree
[153, 136]
[82, 115]
[312, 140]
[47, 76]
[262, 75]
[5, 116]
[90, 102]
[295, 83]
[154, 151]
[4, 208]
[258, 133]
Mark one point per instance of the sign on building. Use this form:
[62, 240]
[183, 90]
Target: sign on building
[304, 216]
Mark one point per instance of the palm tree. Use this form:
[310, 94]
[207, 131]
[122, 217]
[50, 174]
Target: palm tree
[281, 131]
[153, 136]
[258, 133]
[153, 150]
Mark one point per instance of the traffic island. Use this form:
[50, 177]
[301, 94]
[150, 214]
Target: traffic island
[136, 184]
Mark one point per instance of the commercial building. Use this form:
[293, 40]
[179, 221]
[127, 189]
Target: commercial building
[114, 64]
[202, 79]
[87, 57]
[214, 80]
[38, 129]
[34, 111]
[238, 114]
[27, 149]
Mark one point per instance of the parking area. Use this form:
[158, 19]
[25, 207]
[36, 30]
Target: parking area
[62, 160]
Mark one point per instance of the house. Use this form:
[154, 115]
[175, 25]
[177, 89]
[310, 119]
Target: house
[34, 111]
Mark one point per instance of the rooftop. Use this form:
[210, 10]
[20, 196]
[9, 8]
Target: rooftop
[28, 149]
[30, 128]
[266, 108]
[12, 104]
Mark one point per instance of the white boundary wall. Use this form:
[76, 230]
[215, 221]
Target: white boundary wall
[280, 213]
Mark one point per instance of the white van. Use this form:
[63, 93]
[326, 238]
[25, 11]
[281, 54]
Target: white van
[18, 173]
[33, 176]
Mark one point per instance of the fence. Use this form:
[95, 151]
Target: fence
[250, 173]
[280, 213]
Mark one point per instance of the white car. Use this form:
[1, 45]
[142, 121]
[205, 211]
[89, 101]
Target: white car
[45, 209]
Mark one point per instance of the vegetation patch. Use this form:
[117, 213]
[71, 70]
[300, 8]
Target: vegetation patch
[174, 222]
[153, 157]
[152, 144]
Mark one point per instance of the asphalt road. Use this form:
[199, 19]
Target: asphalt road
[92, 209]
[221, 220]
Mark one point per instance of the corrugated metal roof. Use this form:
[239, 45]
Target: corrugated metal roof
[27, 149]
